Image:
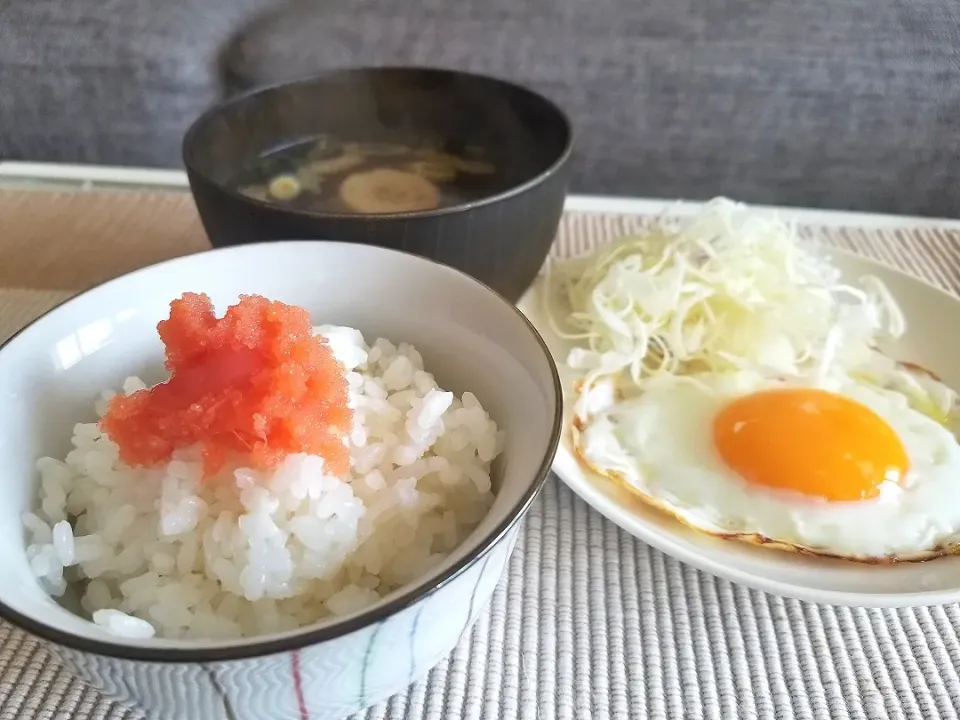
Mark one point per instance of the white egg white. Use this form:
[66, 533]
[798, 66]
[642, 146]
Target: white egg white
[660, 445]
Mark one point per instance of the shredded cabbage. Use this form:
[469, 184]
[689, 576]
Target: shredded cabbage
[728, 289]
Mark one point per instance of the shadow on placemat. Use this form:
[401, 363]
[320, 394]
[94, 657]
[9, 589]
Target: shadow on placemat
[19, 307]
[73, 240]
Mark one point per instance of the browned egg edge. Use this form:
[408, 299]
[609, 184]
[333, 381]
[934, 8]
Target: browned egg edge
[620, 483]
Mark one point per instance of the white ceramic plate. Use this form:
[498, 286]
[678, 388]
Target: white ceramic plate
[932, 340]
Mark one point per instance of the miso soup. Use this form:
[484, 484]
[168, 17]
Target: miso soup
[326, 175]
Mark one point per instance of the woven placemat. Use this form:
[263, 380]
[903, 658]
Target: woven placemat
[590, 623]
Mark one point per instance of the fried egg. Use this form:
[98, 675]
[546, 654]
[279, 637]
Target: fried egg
[838, 467]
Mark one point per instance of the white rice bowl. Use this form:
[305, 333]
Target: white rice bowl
[157, 552]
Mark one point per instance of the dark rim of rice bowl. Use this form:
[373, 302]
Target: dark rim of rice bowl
[188, 147]
[252, 647]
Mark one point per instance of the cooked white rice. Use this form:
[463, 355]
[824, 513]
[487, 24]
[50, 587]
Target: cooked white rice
[158, 552]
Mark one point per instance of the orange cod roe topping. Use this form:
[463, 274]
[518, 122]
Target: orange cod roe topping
[254, 385]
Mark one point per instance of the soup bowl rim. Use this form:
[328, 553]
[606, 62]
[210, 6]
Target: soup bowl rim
[189, 146]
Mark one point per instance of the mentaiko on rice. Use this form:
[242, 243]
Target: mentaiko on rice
[170, 549]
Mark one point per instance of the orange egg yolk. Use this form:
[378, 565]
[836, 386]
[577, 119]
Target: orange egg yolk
[809, 441]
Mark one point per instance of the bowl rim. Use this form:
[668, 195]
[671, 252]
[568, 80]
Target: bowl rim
[407, 596]
[187, 145]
